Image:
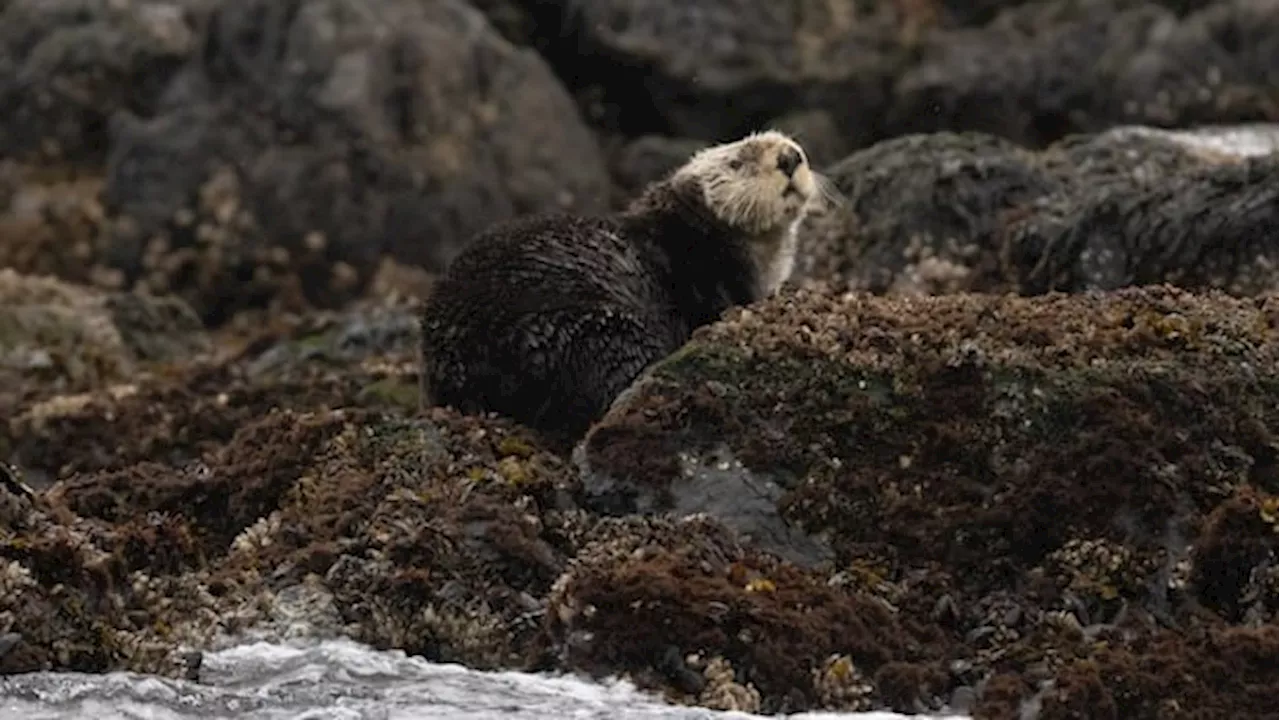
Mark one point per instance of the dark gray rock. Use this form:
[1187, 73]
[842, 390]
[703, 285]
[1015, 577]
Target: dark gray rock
[969, 212]
[648, 159]
[712, 482]
[311, 138]
[716, 70]
[924, 213]
[334, 338]
[1216, 65]
[1043, 70]
[156, 329]
[1171, 214]
[67, 65]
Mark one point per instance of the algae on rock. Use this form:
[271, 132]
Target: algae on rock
[955, 212]
[968, 446]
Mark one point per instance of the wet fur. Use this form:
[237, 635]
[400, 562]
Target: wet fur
[546, 319]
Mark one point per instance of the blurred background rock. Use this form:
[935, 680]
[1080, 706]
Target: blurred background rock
[257, 154]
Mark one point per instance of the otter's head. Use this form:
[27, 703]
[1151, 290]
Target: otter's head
[761, 185]
[756, 184]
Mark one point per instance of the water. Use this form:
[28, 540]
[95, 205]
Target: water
[341, 680]
[1244, 140]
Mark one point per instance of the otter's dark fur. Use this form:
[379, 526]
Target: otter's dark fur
[547, 319]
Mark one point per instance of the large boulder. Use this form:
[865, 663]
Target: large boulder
[1040, 71]
[950, 212]
[921, 211]
[67, 65]
[716, 70]
[337, 131]
[1028, 71]
[1139, 209]
[295, 145]
[1040, 487]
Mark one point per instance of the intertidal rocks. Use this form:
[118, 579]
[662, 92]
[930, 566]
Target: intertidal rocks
[245, 154]
[824, 501]
[252, 154]
[880, 489]
[950, 212]
[1034, 489]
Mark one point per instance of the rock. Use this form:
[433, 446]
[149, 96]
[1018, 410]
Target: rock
[225, 510]
[1072, 447]
[1031, 72]
[59, 343]
[1056, 504]
[67, 65]
[647, 159]
[156, 329]
[817, 132]
[962, 699]
[1037, 464]
[50, 220]
[315, 364]
[971, 212]
[714, 482]
[1040, 71]
[248, 156]
[364, 331]
[63, 338]
[719, 69]
[967, 13]
[1232, 80]
[1208, 221]
[282, 162]
[691, 584]
[513, 20]
[8, 642]
[1236, 541]
[923, 212]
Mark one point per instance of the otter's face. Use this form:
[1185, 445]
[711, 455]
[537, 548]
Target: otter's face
[759, 184]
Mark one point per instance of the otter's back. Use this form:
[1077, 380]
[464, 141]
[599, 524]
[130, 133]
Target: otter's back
[544, 320]
[546, 263]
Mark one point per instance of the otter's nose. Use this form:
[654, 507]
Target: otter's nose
[788, 160]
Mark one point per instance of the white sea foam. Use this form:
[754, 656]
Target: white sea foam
[341, 680]
[1241, 140]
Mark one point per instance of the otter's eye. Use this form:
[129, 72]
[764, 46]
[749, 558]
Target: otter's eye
[735, 164]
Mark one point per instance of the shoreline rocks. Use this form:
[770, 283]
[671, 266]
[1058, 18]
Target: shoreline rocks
[957, 487]
[950, 212]
[998, 498]
[1066, 446]
[287, 151]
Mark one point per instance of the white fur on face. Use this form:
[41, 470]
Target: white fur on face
[743, 186]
